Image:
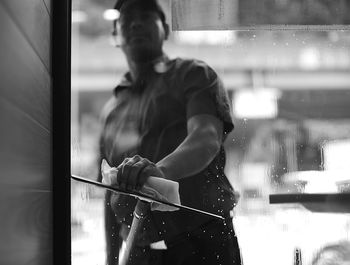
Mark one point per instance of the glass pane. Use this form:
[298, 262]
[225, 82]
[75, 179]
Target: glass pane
[290, 94]
[92, 81]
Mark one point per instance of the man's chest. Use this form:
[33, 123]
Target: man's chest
[153, 108]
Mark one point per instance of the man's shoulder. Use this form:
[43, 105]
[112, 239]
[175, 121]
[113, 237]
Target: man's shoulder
[189, 62]
[196, 69]
[193, 67]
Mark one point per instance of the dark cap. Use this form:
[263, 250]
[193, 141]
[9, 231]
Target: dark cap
[147, 5]
[119, 4]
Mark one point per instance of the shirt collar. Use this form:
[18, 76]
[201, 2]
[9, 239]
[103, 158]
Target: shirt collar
[160, 66]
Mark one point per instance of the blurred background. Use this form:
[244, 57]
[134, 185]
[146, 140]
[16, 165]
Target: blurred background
[290, 91]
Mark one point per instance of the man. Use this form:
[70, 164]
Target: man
[168, 119]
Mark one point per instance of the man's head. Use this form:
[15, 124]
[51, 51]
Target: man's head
[142, 27]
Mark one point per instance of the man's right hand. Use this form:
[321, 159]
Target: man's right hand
[133, 172]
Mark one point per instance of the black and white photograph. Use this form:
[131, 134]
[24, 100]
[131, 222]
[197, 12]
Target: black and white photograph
[175, 132]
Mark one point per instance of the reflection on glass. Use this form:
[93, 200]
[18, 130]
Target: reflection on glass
[291, 98]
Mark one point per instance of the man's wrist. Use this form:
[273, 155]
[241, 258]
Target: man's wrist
[163, 170]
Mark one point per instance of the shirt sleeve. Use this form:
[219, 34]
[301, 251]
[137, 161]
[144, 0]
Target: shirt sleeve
[205, 94]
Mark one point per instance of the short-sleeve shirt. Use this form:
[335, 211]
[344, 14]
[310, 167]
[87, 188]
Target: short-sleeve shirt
[150, 119]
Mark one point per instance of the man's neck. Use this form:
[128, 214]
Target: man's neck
[140, 70]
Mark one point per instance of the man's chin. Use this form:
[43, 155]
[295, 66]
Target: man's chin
[141, 53]
[138, 40]
[139, 45]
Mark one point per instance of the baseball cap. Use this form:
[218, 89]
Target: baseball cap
[147, 5]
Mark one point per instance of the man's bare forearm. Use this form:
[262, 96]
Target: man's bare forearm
[192, 156]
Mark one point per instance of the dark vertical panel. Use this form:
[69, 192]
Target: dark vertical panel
[25, 81]
[25, 159]
[48, 5]
[28, 227]
[33, 20]
[25, 135]
[25, 107]
[61, 46]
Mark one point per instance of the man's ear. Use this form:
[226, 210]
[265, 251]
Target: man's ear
[166, 31]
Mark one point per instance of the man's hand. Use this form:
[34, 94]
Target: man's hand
[133, 173]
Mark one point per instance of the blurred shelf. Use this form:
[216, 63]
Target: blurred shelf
[316, 202]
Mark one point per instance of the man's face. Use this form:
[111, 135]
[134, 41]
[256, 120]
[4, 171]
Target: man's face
[142, 34]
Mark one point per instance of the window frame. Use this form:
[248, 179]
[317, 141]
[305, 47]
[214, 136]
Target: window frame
[61, 95]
